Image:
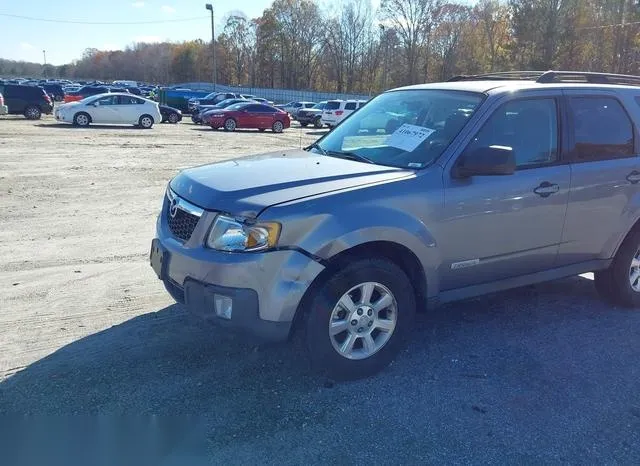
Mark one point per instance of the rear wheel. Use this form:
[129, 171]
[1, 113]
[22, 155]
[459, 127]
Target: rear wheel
[277, 126]
[230, 124]
[145, 121]
[317, 123]
[81, 119]
[359, 319]
[261, 130]
[173, 118]
[304, 125]
[32, 113]
[620, 283]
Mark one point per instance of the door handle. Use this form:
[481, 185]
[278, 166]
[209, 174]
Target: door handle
[633, 177]
[546, 189]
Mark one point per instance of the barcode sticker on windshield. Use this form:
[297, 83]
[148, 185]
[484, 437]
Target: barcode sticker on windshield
[408, 137]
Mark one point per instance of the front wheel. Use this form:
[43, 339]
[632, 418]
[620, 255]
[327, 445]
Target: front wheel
[317, 123]
[359, 319]
[277, 127]
[304, 125]
[81, 119]
[230, 124]
[145, 121]
[620, 283]
[173, 118]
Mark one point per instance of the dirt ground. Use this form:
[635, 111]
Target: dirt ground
[544, 374]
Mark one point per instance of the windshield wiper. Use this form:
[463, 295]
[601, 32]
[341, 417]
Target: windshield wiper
[315, 145]
[350, 156]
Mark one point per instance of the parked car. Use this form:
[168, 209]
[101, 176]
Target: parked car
[312, 115]
[492, 184]
[3, 108]
[170, 114]
[55, 90]
[293, 107]
[262, 100]
[30, 101]
[110, 108]
[201, 110]
[211, 99]
[249, 115]
[83, 92]
[337, 110]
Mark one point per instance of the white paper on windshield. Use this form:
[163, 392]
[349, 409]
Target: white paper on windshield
[408, 137]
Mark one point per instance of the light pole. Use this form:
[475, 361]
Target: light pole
[44, 68]
[383, 38]
[209, 7]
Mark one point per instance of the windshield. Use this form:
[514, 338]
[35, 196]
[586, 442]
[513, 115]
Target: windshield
[320, 106]
[209, 96]
[408, 129]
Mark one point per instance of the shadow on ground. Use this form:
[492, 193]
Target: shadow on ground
[90, 127]
[547, 373]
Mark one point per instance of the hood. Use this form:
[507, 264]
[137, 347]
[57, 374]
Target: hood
[69, 105]
[249, 185]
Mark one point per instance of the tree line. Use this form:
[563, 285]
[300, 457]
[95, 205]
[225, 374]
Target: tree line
[352, 48]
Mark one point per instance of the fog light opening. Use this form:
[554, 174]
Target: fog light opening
[224, 306]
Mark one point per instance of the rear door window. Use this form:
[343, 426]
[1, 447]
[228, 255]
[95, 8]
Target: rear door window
[350, 106]
[602, 129]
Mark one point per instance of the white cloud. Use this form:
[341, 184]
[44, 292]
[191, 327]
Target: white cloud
[26, 46]
[137, 4]
[168, 9]
[110, 47]
[147, 39]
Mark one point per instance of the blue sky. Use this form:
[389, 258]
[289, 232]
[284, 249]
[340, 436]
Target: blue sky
[25, 39]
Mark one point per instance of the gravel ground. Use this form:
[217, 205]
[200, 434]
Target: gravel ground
[544, 374]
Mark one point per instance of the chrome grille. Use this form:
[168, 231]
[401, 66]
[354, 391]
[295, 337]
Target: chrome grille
[182, 216]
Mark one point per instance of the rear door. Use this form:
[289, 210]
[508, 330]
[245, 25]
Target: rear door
[605, 175]
[129, 109]
[14, 98]
[252, 117]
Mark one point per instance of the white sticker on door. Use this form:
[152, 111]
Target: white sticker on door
[408, 137]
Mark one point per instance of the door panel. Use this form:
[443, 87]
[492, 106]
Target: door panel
[497, 227]
[604, 159]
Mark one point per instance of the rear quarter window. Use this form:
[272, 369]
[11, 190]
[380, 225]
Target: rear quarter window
[350, 106]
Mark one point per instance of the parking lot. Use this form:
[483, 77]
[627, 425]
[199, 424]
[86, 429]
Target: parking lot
[543, 374]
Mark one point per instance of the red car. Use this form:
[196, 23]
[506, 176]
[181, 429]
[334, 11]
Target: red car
[249, 115]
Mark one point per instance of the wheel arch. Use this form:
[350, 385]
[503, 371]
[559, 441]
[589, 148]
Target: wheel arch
[394, 252]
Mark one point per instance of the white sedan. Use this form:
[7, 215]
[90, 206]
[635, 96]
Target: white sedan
[111, 108]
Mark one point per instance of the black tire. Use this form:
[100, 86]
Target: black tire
[317, 123]
[324, 357]
[261, 130]
[173, 118]
[230, 125]
[32, 112]
[614, 283]
[145, 122]
[304, 125]
[81, 119]
[277, 126]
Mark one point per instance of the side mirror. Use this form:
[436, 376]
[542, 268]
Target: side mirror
[486, 161]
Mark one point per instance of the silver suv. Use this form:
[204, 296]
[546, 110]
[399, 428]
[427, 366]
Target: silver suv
[427, 194]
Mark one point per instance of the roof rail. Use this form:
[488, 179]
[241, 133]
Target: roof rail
[588, 77]
[504, 75]
[548, 77]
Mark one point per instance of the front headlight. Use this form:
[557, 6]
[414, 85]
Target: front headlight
[234, 235]
[218, 115]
